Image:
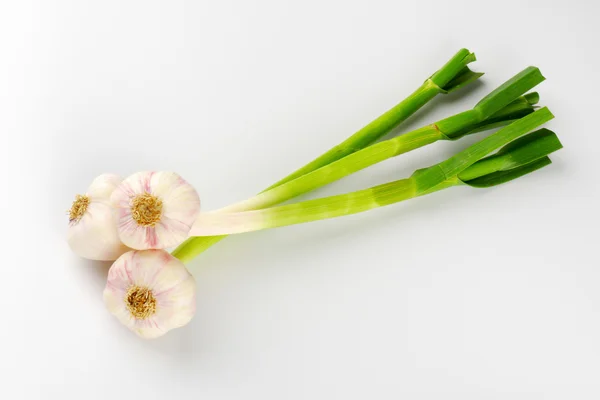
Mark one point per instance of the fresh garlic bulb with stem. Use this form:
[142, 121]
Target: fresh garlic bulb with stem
[155, 210]
[150, 292]
[92, 231]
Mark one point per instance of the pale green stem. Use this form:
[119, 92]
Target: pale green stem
[499, 105]
[437, 177]
[376, 153]
[452, 75]
[337, 170]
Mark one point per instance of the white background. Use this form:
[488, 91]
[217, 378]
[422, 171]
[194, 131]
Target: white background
[465, 294]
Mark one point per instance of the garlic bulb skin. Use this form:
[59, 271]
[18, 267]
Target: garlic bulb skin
[155, 210]
[92, 231]
[150, 292]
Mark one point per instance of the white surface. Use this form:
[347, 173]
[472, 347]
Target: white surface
[466, 294]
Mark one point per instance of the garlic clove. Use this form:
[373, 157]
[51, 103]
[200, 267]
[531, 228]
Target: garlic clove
[155, 210]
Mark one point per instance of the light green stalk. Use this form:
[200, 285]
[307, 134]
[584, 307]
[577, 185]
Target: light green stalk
[496, 109]
[515, 159]
[441, 130]
[453, 75]
[499, 107]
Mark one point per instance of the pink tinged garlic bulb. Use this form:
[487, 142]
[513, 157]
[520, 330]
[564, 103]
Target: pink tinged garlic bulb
[92, 231]
[150, 292]
[155, 210]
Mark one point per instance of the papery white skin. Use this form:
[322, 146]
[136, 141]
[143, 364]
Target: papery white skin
[94, 235]
[173, 287]
[180, 207]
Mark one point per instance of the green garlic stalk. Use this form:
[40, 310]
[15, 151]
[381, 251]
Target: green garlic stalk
[501, 106]
[453, 75]
[517, 158]
[491, 112]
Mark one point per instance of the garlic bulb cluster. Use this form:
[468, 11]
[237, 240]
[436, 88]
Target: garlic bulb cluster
[131, 221]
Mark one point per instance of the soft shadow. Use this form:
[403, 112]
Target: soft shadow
[90, 273]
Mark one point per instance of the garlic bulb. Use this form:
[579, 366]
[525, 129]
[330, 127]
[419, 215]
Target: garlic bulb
[150, 292]
[155, 210]
[92, 231]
